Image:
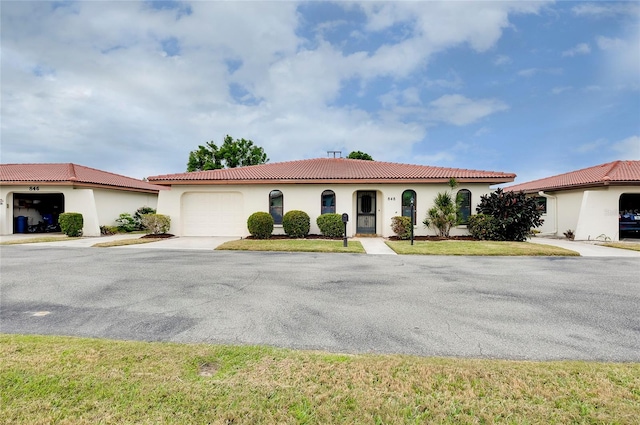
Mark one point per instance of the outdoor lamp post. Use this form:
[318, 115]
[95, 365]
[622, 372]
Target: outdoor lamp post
[413, 210]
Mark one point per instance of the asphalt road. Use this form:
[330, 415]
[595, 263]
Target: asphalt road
[513, 308]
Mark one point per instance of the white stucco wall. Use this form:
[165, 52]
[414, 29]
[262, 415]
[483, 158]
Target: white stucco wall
[590, 213]
[307, 197]
[111, 203]
[95, 205]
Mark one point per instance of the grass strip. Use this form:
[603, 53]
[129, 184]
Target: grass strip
[452, 247]
[39, 239]
[123, 242]
[634, 246]
[292, 245]
[48, 379]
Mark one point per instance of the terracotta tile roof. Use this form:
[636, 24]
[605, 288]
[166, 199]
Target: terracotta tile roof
[341, 170]
[616, 172]
[70, 173]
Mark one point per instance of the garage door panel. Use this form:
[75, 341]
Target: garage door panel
[213, 214]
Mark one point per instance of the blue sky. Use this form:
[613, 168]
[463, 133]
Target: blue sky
[534, 88]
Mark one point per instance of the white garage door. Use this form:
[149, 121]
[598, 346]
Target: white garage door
[213, 214]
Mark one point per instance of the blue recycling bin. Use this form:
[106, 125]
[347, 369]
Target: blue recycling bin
[21, 224]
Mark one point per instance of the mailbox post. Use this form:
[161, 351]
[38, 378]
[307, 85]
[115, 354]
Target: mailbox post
[345, 219]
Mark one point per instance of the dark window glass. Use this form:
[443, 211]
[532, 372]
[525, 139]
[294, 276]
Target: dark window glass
[276, 202]
[407, 196]
[464, 204]
[365, 204]
[328, 204]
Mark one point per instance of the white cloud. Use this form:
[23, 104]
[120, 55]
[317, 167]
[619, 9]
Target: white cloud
[458, 110]
[580, 49]
[558, 90]
[628, 148]
[530, 72]
[502, 60]
[622, 58]
[591, 146]
[606, 9]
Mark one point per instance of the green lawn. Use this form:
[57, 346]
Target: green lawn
[66, 380]
[38, 239]
[122, 242]
[634, 246]
[291, 245]
[453, 247]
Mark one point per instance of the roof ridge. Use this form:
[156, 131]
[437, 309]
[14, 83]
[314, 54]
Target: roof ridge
[614, 164]
[72, 171]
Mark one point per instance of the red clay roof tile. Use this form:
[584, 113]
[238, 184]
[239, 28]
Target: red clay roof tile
[322, 169]
[611, 172]
[67, 172]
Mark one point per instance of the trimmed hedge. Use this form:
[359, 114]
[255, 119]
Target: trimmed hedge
[71, 223]
[260, 225]
[296, 223]
[401, 226]
[155, 224]
[331, 225]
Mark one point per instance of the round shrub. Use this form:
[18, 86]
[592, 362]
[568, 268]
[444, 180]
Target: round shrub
[137, 216]
[296, 223]
[484, 227]
[260, 225]
[401, 226]
[331, 225]
[71, 223]
[126, 223]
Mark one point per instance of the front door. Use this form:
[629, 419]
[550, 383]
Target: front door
[366, 223]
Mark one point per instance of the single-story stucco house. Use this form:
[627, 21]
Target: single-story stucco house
[33, 193]
[219, 202]
[599, 202]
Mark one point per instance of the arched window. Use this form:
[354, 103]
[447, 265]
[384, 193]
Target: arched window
[276, 203]
[463, 199]
[407, 196]
[328, 202]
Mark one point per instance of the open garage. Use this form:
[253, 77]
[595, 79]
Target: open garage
[629, 215]
[37, 212]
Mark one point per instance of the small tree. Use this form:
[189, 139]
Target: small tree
[401, 226]
[516, 214]
[137, 216]
[443, 215]
[156, 224]
[126, 223]
[360, 155]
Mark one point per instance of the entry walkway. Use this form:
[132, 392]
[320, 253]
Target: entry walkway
[375, 246]
[586, 249]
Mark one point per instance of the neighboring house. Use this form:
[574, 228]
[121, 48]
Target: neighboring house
[33, 193]
[600, 202]
[219, 202]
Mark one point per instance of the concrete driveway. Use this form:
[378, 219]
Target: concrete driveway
[514, 308]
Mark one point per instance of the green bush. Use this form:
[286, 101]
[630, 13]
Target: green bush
[260, 225]
[137, 216]
[108, 230]
[401, 226]
[156, 224]
[126, 223]
[71, 223]
[296, 223]
[331, 225]
[484, 227]
[516, 213]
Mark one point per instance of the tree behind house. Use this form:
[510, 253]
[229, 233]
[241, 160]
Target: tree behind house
[232, 154]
